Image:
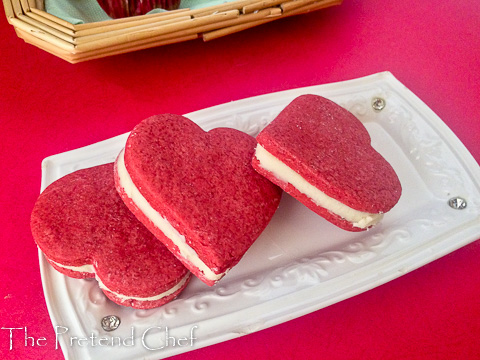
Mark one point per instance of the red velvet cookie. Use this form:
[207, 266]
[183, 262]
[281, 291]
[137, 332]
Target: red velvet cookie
[196, 191]
[321, 154]
[85, 230]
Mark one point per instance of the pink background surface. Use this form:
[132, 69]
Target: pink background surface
[48, 106]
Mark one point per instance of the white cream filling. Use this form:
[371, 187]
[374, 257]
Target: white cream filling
[170, 291]
[160, 222]
[284, 173]
[90, 269]
[83, 268]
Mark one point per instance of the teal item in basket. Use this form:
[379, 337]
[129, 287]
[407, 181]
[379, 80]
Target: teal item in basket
[86, 11]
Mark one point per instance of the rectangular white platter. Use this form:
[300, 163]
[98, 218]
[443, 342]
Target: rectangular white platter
[301, 263]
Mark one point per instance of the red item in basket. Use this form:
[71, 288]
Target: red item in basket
[125, 8]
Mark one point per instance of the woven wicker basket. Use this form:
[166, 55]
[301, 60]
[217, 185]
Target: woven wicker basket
[76, 43]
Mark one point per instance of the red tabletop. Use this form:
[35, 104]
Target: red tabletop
[48, 106]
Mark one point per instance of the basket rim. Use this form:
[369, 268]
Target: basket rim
[81, 42]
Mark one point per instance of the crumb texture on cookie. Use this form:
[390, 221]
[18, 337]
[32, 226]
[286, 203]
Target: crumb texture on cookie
[203, 184]
[331, 149]
[159, 225]
[84, 229]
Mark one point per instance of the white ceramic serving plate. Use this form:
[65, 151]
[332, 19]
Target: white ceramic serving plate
[301, 263]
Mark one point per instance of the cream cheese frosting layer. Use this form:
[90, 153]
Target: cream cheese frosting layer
[286, 174]
[88, 268]
[170, 291]
[160, 222]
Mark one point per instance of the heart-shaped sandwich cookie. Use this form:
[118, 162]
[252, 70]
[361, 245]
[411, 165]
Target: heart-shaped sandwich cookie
[321, 154]
[85, 230]
[196, 191]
